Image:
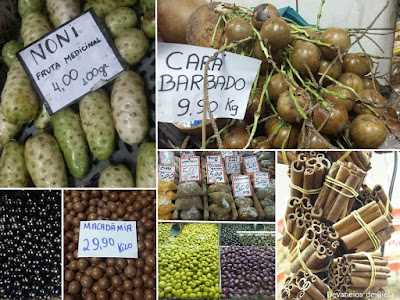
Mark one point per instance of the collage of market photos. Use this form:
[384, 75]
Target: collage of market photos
[199, 149]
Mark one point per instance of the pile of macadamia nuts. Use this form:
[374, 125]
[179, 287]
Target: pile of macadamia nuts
[110, 278]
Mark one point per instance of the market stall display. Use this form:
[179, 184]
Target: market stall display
[246, 235]
[110, 128]
[200, 261]
[113, 276]
[30, 244]
[334, 226]
[189, 263]
[216, 186]
[313, 89]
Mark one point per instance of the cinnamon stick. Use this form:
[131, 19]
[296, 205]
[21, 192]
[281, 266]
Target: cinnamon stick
[296, 173]
[320, 202]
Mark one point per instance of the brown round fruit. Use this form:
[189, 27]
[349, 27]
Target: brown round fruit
[236, 138]
[237, 29]
[261, 142]
[370, 83]
[356, 63]
[352, 80]
[305, 54]
[287, 109]
[276, 32]
[336, 37]
[317, 141]
[262, 13]
[252, 107]
[367, 132]
[172, 22]
[371, 97]
[348, 102]
[337, 119]
[271, 125]
[333, 72]
[276, 86]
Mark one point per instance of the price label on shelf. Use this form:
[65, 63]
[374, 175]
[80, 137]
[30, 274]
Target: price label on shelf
[215, 173]
[166, 157]
[180, 83]
[261, 180]
[214, 159]
[227, 153]
[232, 164]
[166, 172]
[185, 154]
[251, 164]
[241, 186]
[108, 239]
[73, 60]
[189, 169]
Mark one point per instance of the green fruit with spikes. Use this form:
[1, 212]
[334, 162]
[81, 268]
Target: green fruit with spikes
[13, 171]
[116, 176]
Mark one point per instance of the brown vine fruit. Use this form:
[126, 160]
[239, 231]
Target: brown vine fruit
[367, 132]
[356, 63]
[262, 13]
[336, 115]
[172, 22]
[371, 97]
[305, 54]
[276, 86]
[312, 34]
[260, 142]
[278, 140]
[236, 138]
[276, 32]
[333, 72]
[316, 141]
[391, 112]
[258, 53]
[352, 80]
[286, 108]
[237, 29]
[370, 83]
[348, 102]
[336, 37]
[252, 107]
[201, 27]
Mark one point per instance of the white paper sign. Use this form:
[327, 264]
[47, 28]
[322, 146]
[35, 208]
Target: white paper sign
[166, 172]
[227, 153]
[214, 159]
[189, 169]
[241, 186]
[251, 164]
[166, 157]
[180, 83]
[71, 61]
[108, 239]
[261, 180]
[187, 154]
[215, 173]
[232, 164]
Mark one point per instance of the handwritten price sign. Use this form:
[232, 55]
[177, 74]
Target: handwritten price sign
[227, 153]
[241, 186]
[251, 164]
[166, 172]
[166, 157]
[261, 180]
[71, 61]
[107, 239]
[189, 169]
[185, 154]
[232, 164]
[215, 173]
[214, 159]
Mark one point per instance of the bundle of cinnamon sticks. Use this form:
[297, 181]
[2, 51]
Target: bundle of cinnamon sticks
[307, 175]
[304, 285]
[356, 273]
[361, 159]
[368, 195]
[369, 233]
[300, 216]
[315, 249]
[340, 190]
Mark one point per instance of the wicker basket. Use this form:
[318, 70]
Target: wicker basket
[123, 153]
